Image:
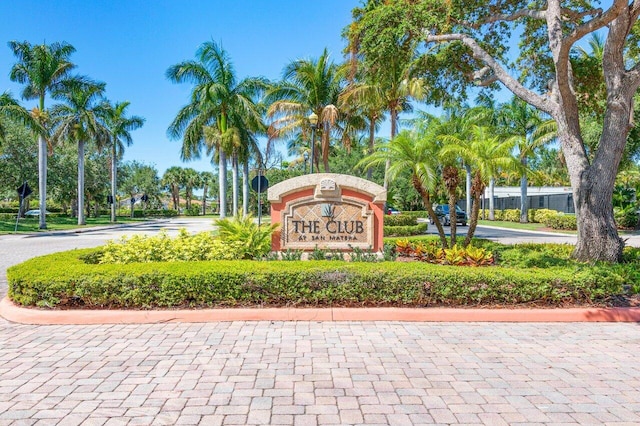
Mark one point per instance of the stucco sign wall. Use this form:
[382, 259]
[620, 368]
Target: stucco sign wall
[328, 211]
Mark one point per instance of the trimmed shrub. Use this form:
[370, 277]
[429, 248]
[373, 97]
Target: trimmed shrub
[62, 279]
[405, 231]
[421, 214]
[543, 215]
[562, 222]
[626, 218]
[511, 215]
[162, 248]
[400, 220]
[193, 211]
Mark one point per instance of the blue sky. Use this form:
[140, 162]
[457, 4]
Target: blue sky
[130, 44]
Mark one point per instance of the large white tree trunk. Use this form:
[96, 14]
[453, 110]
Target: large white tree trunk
[524, 201]
[492, 212]
[42, 180]
[222, 177]
[245, 188]
[234, 183]
[114, 168]
[81, 218]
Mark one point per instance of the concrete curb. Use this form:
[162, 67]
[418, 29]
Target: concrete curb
[18, 314]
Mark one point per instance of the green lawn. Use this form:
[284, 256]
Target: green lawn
[514, 225]
[30, 224]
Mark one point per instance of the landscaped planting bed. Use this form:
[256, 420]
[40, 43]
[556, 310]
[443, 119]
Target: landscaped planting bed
[66, 280]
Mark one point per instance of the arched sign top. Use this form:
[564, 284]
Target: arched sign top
[327, 185]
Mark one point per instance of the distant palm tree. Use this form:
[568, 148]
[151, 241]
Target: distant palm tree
[408, 151]
[522, 123]
[192, 180]
[208, 180]
[42, 69]
[78, 120]
[308, 86]
[219, 103]
[173, 178]
[119, 126]
[487, 153]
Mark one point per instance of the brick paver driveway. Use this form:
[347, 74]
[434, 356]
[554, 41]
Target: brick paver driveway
[318, 373]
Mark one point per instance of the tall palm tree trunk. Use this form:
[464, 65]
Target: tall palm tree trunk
[81, 215]
[372, 140]
[467, 170]
[234, 182]
[204, 198]
[114, 169]
[222, 176]
[451, 179]
[245, 187]
[42, 182]
[426, 199]
[477, 189]
[524, 201]
[492, 211]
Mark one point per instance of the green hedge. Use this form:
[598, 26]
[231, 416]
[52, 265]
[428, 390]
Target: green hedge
[155, 213]
[562, 222]
[400, 220]
[423, 214]
[404, 231]
[62, 279]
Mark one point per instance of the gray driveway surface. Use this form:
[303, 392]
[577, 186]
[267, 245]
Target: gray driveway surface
[307, 373]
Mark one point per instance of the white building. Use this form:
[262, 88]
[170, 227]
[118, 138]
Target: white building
[558, 198]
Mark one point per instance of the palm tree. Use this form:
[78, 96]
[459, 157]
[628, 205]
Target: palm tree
[218, 102]
[77, 120]
[521, 122]
[192, 180]
[173, 178]
[42, 69]
[409, 151]
[208, 179]
[308, 86]
[11, 109]
[119, 126]
[486, 153]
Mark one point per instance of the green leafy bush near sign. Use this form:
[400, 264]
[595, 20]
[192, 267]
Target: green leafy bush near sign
[65, 280]
[403, 225]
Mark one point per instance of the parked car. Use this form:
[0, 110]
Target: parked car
[392, 210]
[35, 212]
[442, 212]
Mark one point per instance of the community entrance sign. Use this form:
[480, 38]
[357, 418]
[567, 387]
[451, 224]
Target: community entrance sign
[328, 211]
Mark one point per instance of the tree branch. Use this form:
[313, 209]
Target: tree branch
[600, 21]
[499, 72]
[522, 13]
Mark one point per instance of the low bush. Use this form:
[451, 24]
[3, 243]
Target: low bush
[162, 248]
[193, 211]
[431, 252]
[63, 279]
[543, 215]
[626, 218]
[511, 215]
[418, 214]
[562, 222]
[405, 231]
[400, 220]
[243, 230]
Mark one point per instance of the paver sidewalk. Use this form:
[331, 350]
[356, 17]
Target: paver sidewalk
[306, 373]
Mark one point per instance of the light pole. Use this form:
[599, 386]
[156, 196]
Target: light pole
[305, 155]
[313, 121]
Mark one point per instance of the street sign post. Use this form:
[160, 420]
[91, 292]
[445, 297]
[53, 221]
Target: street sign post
[259, 184]
[23, 192]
